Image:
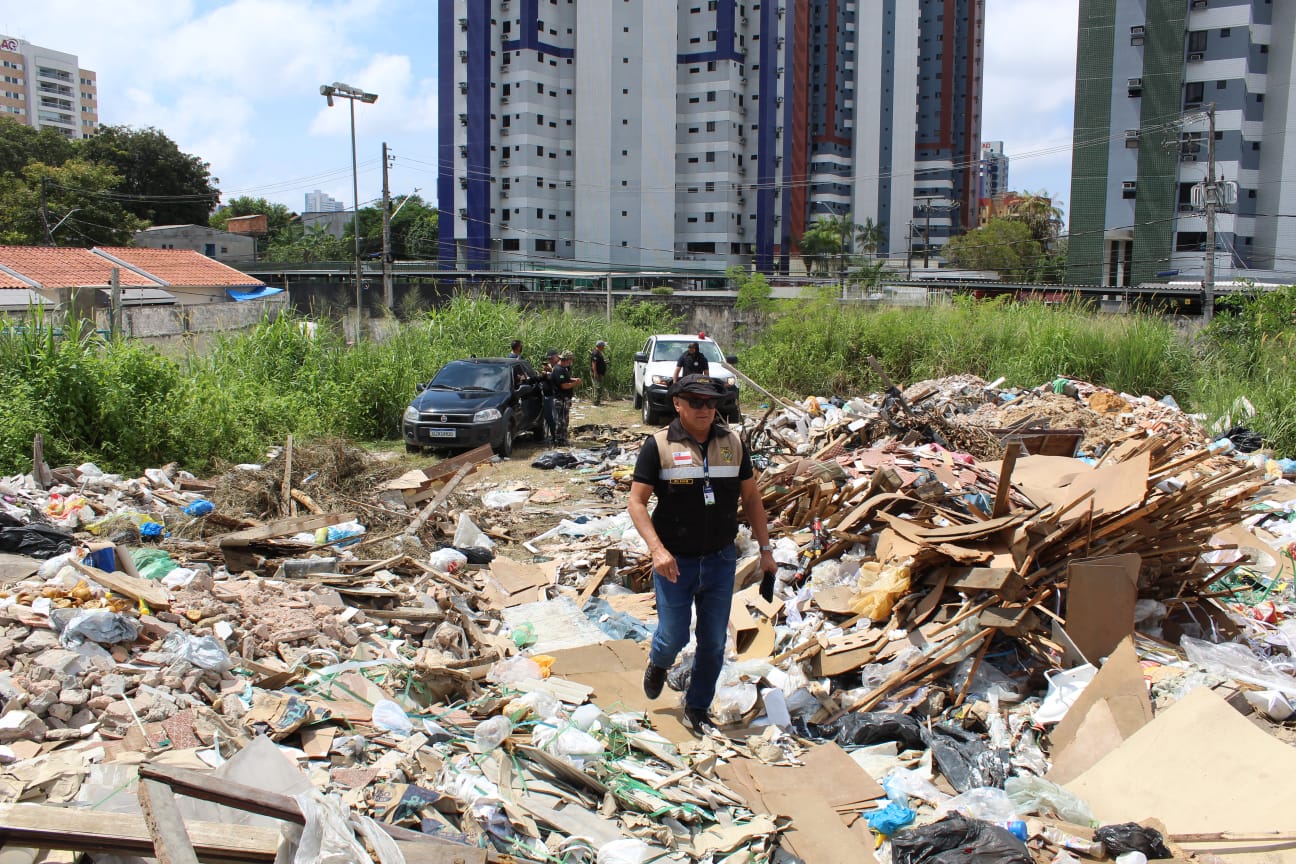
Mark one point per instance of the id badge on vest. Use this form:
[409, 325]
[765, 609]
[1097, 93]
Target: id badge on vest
[708, 493]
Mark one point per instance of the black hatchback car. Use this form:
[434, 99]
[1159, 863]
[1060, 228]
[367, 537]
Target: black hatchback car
[474, 402]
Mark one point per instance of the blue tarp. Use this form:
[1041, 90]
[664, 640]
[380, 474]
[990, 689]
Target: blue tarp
[253, 293]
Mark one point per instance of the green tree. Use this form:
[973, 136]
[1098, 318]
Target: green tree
[821, 245]
[77, 195]
[1002, 245]
[753, 290]
[21, 145]
[298, 244]
[869, 237]
[1038, 213]
[164, 185]
[277, 215]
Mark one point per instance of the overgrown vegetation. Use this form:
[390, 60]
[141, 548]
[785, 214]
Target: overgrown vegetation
[127, 407]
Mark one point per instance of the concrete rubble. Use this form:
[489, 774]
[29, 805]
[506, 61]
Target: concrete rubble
[991, 604]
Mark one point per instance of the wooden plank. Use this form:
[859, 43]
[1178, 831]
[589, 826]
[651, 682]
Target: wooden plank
[283, 527]
[288, 506]
[171, 842]
[1004, 486]
[595, 580]
[151, 593]
[306, 501]
[984, 579]
[413, 614]
[426, 513]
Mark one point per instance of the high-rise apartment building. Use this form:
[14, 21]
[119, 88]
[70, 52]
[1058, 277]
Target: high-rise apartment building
[322, 202]
[1148, 72]
[993, 170]
[703, 133]
[45, 88]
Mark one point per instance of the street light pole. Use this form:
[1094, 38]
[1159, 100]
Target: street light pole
[345, 91]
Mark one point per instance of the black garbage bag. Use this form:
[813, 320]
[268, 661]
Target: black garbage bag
[965, 760]
[871, 727]
[551, 459]
[958, 840]
[1244, 439]
[477, 554]
[35, 541]
[1132, 837]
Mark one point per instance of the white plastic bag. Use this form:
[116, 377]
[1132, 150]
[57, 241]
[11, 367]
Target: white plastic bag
[733, 702]
[390, 717]
[1232, 660]
[500, 500]
[489, 734]
[513, 670]
[985, 803]
[1064, 688]
[468, 535]
[1035, 795]
[326, 837]
[624, 851]
[448, 560]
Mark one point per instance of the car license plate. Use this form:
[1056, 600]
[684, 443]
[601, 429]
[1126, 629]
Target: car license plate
[440, 433]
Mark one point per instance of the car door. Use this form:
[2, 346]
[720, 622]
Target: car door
[528, 397]
[640, 369]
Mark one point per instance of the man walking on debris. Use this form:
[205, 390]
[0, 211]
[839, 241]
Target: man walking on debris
[563, 386]
[598, 368]
[699, 470]
[691, 362]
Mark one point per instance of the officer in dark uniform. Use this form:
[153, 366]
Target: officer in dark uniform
[699, 470]
[691, 362]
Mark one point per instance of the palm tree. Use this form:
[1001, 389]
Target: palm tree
[869, 237]
[1039, 214]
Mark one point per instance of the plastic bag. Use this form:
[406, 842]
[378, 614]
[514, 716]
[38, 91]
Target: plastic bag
[566, 741]
[152, 564]
[1132, 837]
[1063, 690]
[956, 840]
[904, 783]
[964, 758]
[872, 727]
[1035, 795]
[198, 507]
[498, 500]
[75, 626]
[733, 702]
[204, 652]
[448, 561]
[491, 733]
[625, 851]
[1232, 660]
[890, 818]
[991, 805]
[878, 588]
[390, 717]
[468, 534]
[35, 541]
[326, 838]
[514, 670]
[555, 459]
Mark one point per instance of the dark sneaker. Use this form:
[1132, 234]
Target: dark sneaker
[699, 722]
[654, 678]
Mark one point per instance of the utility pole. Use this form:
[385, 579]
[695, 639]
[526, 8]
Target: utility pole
[909, 254]
[49, 235]
[388, 293]
[841, 265]
[926, 232]
[114, 304]
[607, 288]
[1212, 199]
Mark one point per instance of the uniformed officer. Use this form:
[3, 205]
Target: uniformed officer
[699, 470]
[691, 362]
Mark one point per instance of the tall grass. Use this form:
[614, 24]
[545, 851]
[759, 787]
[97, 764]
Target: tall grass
[822, 347]
[127, 407]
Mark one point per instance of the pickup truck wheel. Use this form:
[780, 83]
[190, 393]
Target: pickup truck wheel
[505, 448]
[650, 415]
[638, 401]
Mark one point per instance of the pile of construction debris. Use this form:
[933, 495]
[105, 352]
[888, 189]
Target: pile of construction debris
[977, 587]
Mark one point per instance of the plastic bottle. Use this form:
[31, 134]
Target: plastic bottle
[489, 734]
[1017, 828]
[1092, 848]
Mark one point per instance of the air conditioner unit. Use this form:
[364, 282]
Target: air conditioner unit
[463, 119]
[504, 100]
[1196, 56]
[742, 142]
[463, 150]
[463, 86]
[463, 55]
[1134, 82]
[504, 131]
[1200, 4]
[463, 182]
[504, 193]
[463, 212]
[1187, 157]
[1129, 185]
[504, 163]
[740, 230]
[779, 101]
[463, 23]
[1137, 30]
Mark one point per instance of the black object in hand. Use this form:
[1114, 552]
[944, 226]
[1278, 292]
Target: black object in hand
[767, 587]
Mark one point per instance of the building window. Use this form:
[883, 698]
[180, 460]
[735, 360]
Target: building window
[711, 96]
[710, 156]
[1197, 41]
[1193, 92]
[544, 245]
[709, 217]
[710, 127]
[1225, 32]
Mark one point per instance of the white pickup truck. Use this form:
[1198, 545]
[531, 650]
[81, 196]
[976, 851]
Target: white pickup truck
[654, 370]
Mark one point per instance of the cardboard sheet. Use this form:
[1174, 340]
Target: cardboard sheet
[615, 670]
[1101, 593]
[516, 583]
[810, 796]
[1115, 487]
[1200, 766]
[1119, 684]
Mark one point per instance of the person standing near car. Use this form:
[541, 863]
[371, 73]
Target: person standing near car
[547, 394]
[598, 368]
[515, 349]
[691, 362]
[563, 386]
[699, 470]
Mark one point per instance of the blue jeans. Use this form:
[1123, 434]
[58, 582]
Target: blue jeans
[547, 415]
[707, 583]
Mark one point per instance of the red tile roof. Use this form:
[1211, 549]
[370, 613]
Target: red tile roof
[7, 281]
[180, 267]
[67, 267]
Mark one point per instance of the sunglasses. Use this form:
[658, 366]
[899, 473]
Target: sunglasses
[700, 404]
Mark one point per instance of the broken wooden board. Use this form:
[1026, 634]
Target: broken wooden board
[152, 593]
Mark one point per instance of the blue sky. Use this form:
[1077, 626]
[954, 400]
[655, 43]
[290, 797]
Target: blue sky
[237, 83]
